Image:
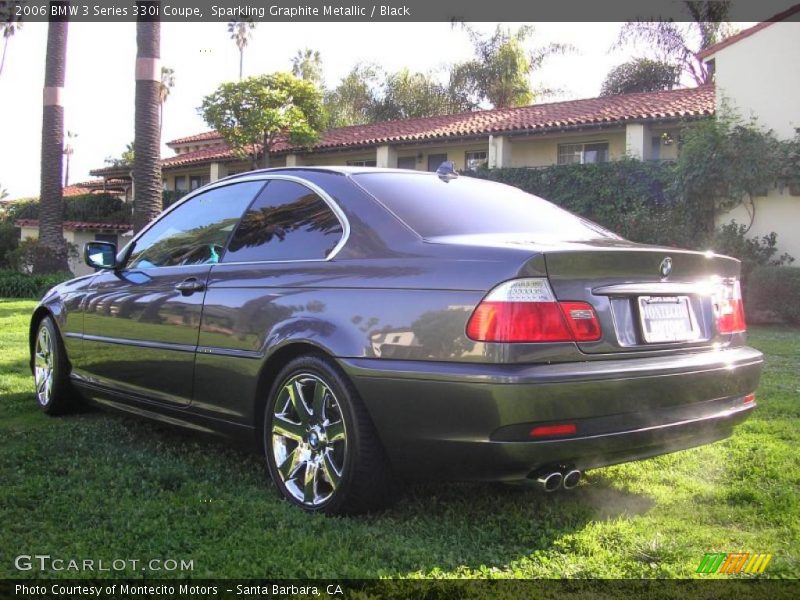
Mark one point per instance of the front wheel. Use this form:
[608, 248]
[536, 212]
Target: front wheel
[51, 370]
[321, 448]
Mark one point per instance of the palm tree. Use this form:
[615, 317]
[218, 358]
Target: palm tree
[51, 205]
[69, 150]
[10, 27]
[241, 32]
[307, 65]
[679, 44]
[147, 200]
[167, 83]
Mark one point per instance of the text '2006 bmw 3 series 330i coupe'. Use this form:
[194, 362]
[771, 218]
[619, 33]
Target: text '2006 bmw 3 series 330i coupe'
[364, 324]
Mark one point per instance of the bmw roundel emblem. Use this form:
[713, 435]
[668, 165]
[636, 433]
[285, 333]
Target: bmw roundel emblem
[666, 267]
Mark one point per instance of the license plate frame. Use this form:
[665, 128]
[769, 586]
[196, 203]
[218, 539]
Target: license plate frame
[667, 319]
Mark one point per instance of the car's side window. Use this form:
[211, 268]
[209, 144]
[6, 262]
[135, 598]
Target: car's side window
[196, 231]
[288, 221]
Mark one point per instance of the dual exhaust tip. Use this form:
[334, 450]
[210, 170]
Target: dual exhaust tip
[552, 481]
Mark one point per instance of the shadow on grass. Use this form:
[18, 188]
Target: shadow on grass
[6, 310]
[159, 471]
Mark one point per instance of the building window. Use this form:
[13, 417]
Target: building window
[195, 181]
[475, 160]
[105, 237]
[362, 163]
[435, 161]
[407, 162]
[180, 183]
[573, 154]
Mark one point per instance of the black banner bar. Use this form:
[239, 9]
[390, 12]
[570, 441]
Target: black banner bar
[387, 11]
[430, 589]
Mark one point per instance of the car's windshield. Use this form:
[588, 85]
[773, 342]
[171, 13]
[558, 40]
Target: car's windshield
[433, 206]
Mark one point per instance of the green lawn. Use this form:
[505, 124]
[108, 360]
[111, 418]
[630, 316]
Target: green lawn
[104, 486]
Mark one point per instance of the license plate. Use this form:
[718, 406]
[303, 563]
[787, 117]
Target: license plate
[667, 319]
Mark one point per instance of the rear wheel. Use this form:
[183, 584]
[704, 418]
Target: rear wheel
[51, 371]
[321, 448]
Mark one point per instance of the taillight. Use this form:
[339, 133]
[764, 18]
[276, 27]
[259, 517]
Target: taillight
[525, 310]
[729, 308]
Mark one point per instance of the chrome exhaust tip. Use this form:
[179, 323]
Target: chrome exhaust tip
[550, 482]
[571, 479]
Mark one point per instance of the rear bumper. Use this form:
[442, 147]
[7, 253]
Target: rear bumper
[472, 421]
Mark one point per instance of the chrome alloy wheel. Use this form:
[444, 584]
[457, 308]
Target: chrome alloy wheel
[43, 366]
[309, 439]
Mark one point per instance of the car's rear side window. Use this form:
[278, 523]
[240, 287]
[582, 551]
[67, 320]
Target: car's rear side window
[433, 207]
[287, 221]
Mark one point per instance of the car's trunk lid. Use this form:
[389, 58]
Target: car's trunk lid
[646, 298]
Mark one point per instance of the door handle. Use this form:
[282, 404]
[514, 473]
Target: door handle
[190, 286]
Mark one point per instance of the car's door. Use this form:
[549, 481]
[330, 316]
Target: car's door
[142, 320]
[265, 286]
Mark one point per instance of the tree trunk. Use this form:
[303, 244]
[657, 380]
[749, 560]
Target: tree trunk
[3, 58]
[51, 203]
[265, 152]
[147, 201]
[241, 62]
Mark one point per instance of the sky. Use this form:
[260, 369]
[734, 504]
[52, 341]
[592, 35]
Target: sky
[99, 94]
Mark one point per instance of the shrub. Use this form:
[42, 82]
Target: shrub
[96, 208]
[630, 197]
[170, 197]
[9, 240]
[731, 239]
[23, 285]
[30, 256]
[773, 293]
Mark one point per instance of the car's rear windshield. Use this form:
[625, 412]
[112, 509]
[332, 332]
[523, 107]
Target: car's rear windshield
[434, 207]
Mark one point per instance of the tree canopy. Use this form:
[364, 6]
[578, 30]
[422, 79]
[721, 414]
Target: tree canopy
[255, 113]
[640, 75]
[498, 76]
[500, 72]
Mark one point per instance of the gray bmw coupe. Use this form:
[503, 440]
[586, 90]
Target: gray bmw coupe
[360, 324]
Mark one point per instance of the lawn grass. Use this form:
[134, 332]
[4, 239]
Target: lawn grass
[105, 486]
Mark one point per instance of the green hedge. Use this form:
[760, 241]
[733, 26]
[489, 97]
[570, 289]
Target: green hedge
[97, 208]
[23, 285]
[630, 197]
[773, 294]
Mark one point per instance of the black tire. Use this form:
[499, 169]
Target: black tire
[54, 394]
[363, 482]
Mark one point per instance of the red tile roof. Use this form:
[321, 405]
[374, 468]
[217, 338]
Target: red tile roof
[76, 190]
[782, 16]
[200, 137]
[79, 225]
[219, 151]
[553, 116]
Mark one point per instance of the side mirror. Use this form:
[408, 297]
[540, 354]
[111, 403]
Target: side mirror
[100, 255]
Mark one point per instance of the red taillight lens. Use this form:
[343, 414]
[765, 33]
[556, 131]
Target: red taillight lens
[525, 310]
[552, 430]
[518, 322]
[749, 398]
[582, 321]
[729, 308]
